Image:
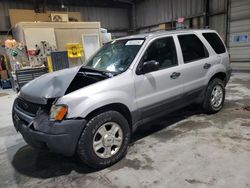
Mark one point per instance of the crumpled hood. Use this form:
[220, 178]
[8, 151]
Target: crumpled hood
[51, 85]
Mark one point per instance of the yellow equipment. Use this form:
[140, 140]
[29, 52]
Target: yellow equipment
[50, 66]
[75, 50]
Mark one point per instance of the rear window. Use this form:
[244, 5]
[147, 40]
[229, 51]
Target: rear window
[215, 41]
[192, 48]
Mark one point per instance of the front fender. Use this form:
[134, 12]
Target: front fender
[86, 105]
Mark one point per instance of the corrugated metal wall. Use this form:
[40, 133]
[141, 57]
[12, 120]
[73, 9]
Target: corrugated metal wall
[152, 12]
[240, 30]
[148, 14]
[217, 6]
[4, 14]
[218, 23]
[110, 18]
[218, 16]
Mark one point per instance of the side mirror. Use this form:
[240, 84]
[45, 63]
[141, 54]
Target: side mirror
[149, 66]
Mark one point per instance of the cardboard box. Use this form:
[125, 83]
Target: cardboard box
[23, 15]
[4, 75]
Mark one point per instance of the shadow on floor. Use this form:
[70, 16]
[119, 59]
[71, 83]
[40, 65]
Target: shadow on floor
[41, 164]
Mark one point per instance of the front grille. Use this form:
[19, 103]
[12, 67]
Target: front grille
[29, 107]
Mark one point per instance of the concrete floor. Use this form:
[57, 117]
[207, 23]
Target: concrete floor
[184, 149]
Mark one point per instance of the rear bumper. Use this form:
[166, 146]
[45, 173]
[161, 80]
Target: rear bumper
[39, 132]
[228, 73]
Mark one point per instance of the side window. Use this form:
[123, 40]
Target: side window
[215, 41]
[192, 48]
[163, 51]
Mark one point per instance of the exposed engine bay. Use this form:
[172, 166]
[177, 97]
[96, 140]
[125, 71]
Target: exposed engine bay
[85, 77]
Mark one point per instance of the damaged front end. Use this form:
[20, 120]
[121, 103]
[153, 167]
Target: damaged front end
[42, 133]
[35, 113]
[60, 83]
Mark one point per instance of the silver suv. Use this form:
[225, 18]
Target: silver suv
[92, 110]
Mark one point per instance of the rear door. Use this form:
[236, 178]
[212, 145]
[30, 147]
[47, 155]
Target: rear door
[158, 91]
[196, 63]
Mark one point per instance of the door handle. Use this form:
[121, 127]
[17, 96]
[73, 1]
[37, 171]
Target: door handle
[175, 75]
[207, 66]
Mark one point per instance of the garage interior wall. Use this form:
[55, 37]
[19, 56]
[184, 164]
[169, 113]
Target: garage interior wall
[148, 14]
[114, 19]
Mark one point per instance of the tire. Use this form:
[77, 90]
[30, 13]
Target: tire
[97, 131]
[210, 105]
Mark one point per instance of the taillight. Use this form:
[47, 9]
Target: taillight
[230, 59]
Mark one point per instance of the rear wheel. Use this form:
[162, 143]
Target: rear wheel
[105, 140]
[214, 97]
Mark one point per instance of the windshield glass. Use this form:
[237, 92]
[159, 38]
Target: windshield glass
[116, 56]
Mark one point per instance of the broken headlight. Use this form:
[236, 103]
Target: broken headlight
[58, 112]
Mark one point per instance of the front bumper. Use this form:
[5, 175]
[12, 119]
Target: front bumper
[39, 132]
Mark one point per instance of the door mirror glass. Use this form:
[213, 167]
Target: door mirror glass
[149, 66]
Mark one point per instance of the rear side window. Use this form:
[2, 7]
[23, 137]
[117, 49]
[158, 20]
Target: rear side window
[215, 41]
[192, 48]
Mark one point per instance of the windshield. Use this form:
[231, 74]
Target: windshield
[116, 56]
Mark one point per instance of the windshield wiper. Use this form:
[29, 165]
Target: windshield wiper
[104, 73]
[97, 73]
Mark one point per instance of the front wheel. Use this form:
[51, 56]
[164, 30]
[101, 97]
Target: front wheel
[105, 140]
[214, 96]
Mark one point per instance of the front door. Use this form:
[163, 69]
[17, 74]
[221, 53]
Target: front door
[157, 91]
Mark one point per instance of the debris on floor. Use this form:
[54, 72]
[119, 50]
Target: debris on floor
[247, 108]
[3, 94]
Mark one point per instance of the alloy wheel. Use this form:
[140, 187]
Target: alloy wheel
[107, 140]
[216, 96]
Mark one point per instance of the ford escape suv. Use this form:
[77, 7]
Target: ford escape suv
[92, 110]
